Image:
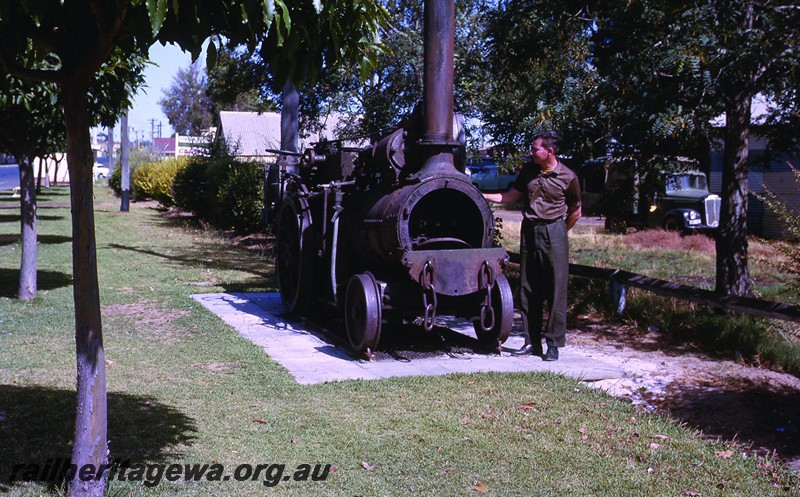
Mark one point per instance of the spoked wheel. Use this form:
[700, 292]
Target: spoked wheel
[503, 305]
[362, 312]
[294, 254]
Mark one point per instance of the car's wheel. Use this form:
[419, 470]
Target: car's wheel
[616, 225]
[671, 224]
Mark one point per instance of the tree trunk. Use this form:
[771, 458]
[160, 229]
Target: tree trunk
[55, 170]
[91, 419]
[733, 275]
[28, 229]
[42, 161]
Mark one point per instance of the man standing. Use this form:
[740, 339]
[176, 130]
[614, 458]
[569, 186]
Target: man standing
[552, 207]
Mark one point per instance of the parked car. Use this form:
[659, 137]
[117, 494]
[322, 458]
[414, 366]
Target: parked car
[676, 201]
[99, 171]
[487, 176]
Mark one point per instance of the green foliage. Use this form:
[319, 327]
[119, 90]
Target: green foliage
[153, 180]
[239, 199]
[191, 187]
[136, 157]
[115, 180]
[186, 103]
[31, 118]
[387, 96]
[790, 249]
[228, 193]
[237, 83]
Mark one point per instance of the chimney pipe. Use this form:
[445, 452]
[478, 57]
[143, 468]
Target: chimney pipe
[437, 141]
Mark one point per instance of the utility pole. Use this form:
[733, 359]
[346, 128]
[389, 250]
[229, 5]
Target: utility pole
[152, 132]
[110, 149]
[126, 171]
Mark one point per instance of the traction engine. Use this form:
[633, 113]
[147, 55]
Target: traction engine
[393, 231]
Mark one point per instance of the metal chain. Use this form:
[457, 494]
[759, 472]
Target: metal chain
[426, 280]
[487, 282]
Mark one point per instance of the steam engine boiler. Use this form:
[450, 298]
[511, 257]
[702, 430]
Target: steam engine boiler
[392, 231]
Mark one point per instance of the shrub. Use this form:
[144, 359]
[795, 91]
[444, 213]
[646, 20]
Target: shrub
[239, 196]
[790, 219]
[191, 187]
[115, 180]
[228, 193]
[136, 156]
[154, 180]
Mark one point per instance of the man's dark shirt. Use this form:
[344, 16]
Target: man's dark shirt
[549, 193]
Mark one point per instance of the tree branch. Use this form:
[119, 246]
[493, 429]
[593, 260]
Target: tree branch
[40, 75]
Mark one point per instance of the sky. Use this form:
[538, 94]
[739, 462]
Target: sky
[158, 77]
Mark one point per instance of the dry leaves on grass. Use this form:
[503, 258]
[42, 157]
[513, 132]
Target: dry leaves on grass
[148, 318]
[668, 240]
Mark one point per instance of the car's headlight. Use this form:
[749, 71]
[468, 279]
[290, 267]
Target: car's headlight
[691, 215]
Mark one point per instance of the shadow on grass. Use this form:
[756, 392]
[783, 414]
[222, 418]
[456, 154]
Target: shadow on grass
[767, 419]
[36, 424]
[48, 239]
[46, 280]
[60, 192]
[217, 256]
[15, 218]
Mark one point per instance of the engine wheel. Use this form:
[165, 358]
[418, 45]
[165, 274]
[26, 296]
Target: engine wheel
[362, 312]
[503, 305]
[294, 257]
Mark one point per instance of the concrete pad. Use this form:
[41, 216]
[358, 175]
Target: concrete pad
[312, 358]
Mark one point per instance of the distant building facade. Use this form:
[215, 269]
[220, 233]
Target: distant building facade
[252, 135]
[763, 171]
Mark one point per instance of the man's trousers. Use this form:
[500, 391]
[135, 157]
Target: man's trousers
[544, 272]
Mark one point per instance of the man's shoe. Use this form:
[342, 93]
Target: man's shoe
[551, 355]
[529, 349]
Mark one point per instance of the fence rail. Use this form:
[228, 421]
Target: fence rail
[620, 279]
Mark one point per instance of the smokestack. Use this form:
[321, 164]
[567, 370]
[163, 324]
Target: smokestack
[437, 136]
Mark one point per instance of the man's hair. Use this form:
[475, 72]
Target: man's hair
[550, 139]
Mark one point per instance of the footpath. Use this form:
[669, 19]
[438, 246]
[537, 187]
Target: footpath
[309, 354]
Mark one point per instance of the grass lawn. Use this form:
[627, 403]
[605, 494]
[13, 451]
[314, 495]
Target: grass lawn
[184, 388]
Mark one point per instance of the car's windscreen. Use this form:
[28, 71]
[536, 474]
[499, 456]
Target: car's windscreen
[686, 182]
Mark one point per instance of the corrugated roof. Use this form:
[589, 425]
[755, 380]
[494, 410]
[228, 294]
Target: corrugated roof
[250, 133]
